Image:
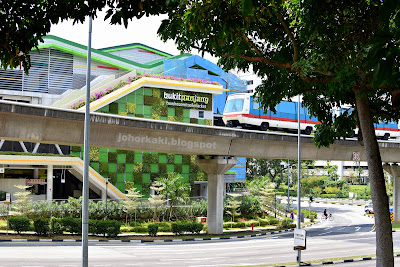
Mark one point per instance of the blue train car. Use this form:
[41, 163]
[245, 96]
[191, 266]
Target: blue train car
[243, 110]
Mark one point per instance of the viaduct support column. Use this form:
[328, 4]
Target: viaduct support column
[215, 167]
[49, 193]
[394, 170]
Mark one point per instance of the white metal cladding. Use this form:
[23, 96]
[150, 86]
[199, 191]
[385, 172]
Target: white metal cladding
[80, 67]
[37, 80]
[60, 72]
[11, 80]
[137, 55]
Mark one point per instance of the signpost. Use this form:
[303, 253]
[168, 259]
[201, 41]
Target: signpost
[299, 239]
[8, 202]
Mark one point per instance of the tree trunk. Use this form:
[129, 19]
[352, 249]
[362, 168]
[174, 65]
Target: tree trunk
[383, 226]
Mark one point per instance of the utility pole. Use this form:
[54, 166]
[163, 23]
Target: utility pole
[298, 176]
[86, 158]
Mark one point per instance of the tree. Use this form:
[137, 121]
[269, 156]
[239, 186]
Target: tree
[267, 197]
[24, 23]
[157, 199]
[261, 167]
[175, 190]
[233, 204]
[21, 205]
[131, 204]
[333, 53]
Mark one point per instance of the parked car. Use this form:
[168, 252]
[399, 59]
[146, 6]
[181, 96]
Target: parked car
[369, 209]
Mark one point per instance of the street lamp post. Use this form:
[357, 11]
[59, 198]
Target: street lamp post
[288, 188]
[105, 217]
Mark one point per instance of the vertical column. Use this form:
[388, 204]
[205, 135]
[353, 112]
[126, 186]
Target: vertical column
[49, 192]
[394, 170]
[215, 167]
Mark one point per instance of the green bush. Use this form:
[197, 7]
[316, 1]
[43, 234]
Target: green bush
[19, 224]
[105, 228]
[193, 227]
[164, 227]
[286, 222]
[72, 225]
[273, 221]
[177, 228]
[234, 225]
[56, 225]
[139, 229]
[41, 226]
[152, 229]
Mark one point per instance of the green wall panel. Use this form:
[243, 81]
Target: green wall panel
[120, 177]
[95, 165]
[129, 177]
[146, 178]
[112, 167]
[178, 159]
[121, 158]
[129, 167]
[170, 168]
[162, 158]
[185, 168]
[185, 177]
[154, 168]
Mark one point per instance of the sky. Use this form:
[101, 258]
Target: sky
[142, 31]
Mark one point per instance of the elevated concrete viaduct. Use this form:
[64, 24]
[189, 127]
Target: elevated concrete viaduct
[23, 122]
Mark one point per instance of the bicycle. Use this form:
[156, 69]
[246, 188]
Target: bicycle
[329, 217]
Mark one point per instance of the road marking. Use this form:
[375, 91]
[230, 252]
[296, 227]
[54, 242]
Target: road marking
[358, 228]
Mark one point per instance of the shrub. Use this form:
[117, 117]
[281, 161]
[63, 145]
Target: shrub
[19, 224]
[41, 226]
[109, 228]
[286, 222]
[56, 226]
[195, 227]
[152, 229]
[139, 229]
[72, 225]
[164, 227]
[177, 228]
[273, 221]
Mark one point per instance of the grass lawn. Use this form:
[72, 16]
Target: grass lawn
[358, 188]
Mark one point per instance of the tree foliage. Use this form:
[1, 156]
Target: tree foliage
[22, 203]
[175, 189]
[333, 53]
[233, 205]
[24, 23]
[131, 204]
[157, 199]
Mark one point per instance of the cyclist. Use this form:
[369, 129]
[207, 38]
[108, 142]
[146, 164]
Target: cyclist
[325, 214]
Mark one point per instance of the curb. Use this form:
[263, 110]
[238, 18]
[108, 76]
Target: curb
[334, 262]
[151, 241]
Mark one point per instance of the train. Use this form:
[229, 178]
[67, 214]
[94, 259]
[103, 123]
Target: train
[243, 110]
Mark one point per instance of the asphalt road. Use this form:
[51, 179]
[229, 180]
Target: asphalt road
[348, 235]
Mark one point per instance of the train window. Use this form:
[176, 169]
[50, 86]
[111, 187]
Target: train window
[256, 105]
[234, 105]
[201, 114]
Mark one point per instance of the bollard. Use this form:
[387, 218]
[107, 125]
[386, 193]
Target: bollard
[252, 226]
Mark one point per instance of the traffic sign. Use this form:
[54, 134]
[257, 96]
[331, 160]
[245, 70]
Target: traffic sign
[356, 156]
[299, 239]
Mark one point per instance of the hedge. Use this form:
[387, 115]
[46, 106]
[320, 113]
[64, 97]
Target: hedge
[19, 224]
[186, 227]
[152, 229]
[41, 226]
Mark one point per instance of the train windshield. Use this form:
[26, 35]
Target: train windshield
[234, 105]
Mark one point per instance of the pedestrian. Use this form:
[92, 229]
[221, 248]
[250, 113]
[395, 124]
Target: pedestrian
[291, 215]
